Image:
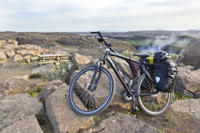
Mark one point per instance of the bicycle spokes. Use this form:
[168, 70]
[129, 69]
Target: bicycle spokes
[92, 93]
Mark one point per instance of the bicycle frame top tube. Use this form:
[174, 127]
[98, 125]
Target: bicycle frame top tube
[111, 53]
[122, 57]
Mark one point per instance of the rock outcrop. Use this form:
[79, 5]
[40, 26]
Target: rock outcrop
[19, 53]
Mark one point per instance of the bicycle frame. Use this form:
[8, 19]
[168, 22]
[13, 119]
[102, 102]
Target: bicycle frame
[106, 57]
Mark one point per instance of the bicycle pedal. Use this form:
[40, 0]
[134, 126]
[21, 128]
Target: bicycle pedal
[125, 98]
[136, 108]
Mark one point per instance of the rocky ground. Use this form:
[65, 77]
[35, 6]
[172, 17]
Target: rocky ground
[33, 98]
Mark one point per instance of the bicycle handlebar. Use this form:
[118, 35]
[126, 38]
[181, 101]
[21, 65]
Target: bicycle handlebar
[98, 34]
[101, 38]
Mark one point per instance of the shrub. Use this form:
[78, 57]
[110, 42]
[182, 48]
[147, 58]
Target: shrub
[61, 71]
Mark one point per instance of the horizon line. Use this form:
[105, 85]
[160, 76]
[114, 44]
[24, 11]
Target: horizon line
[107, 31]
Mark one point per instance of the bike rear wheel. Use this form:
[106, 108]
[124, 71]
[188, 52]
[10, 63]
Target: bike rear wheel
[89, 97]
[154, 104]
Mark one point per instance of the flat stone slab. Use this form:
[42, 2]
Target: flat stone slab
[28, 124]
[123, 123]
[190, 107]
[14, 108]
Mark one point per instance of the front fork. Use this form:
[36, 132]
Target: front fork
[97, 67]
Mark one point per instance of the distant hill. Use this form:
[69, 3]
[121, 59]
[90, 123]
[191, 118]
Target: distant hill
[152, 41]
[48, 40]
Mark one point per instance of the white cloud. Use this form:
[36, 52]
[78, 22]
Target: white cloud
[75, 15]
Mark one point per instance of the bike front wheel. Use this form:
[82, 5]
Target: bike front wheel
[91, 91]
[154, 104]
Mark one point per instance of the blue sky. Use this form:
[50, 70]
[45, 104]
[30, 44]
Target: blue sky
[91, 15]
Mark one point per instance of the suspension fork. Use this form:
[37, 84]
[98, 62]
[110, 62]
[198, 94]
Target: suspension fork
[97, 67]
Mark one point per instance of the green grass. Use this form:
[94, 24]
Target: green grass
[37, 91]
[169, 116]
[175, 56]
[46, 126]
[130, 54]
[96, 121]
[179, 96]
[139, 42]
[22, 61]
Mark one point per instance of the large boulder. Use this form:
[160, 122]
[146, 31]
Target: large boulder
[10, 53]
[117, 100]
[14, 108]
[124, 67]
[18, 58]
[28, 124]
[191, 55]
[61, 116]
[122, 123]
[190, 107]
[2, 56]
[49, 88]
[187, 81]
[80, 60]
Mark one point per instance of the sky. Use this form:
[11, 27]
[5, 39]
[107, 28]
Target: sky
[103, 15]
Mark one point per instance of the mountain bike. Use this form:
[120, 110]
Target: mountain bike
[92, 89]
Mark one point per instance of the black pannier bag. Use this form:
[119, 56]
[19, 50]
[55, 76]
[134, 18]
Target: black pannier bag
[164, 72]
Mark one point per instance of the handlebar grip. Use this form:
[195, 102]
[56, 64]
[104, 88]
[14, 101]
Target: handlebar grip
[93, 32]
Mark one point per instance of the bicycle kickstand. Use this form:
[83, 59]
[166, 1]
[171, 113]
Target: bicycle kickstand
[134, 107]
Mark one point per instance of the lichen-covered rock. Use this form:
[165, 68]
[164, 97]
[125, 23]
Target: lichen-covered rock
[14, 108]
[28, 124]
